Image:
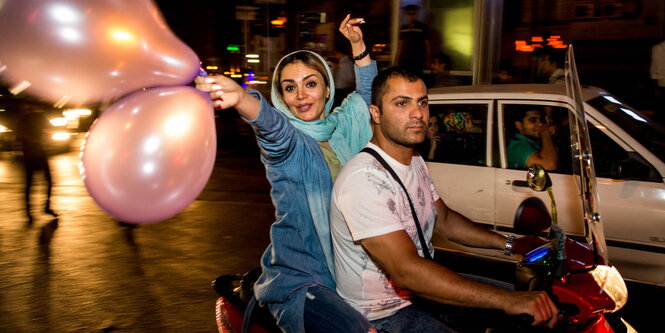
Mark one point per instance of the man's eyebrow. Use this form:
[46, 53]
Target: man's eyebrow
[401, 97]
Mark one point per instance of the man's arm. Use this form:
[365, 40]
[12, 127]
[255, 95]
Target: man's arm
[547, 156]
[461, 230]
[396, 253]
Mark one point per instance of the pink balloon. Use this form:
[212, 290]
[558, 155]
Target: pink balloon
[81, 51]
[150, 154]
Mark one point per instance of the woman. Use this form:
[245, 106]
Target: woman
[303, 146]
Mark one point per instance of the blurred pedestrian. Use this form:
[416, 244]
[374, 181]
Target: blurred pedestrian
[31, 125]
[413, 50]
[658, 75]
[550, 65]
[345, 76]
[506, 76]
[440, 67]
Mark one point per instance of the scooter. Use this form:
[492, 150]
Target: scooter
[235, 292]
[579, 280]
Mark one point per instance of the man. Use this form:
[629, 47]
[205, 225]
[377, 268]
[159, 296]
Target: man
[379, 260]
[657, 71]
[31, 125]
[441, 76]
[551, 65]
[413, 48]
[532, 143]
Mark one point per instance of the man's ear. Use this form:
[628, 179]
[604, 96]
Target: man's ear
[518, 125]
[375, 113]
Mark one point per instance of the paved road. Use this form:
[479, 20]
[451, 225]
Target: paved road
[85, 273]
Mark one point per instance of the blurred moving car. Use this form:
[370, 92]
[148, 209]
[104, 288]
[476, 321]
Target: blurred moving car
[57, 138]
[471, 172]
[7, 139]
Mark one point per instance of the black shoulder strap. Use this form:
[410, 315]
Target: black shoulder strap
[383, 162]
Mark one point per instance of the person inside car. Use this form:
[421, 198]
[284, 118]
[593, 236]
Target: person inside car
[532, 142]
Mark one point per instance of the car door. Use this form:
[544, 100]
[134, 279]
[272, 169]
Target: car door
[458, 154]
[510, 185]
[632, 204]
[632, 209]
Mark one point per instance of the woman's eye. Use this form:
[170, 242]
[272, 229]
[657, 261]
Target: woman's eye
[311, 84]
[289, 88]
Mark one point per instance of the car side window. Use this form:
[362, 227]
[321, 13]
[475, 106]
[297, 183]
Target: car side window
[523, 124]
[457, 133]
[612, 161]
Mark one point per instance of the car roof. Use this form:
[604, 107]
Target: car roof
[530, 91]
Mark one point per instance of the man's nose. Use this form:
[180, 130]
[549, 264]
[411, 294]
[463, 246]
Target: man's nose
[418, 112]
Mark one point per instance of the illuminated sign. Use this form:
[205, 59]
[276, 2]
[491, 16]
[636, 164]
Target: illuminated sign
[553, 41]
[279, 22]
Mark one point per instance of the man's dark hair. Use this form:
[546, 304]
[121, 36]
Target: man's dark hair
[411, 7]
[443, 58]
[380, 83]
[557, 57]
[518, 112]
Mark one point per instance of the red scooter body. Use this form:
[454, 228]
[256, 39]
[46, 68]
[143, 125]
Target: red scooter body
[580, 282]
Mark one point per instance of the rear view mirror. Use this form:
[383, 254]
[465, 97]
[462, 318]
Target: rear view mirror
[532, 217]
[538, 178]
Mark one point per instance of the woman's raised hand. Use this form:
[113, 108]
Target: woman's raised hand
[350, 28]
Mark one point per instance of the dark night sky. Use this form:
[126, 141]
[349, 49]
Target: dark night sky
[207, 26]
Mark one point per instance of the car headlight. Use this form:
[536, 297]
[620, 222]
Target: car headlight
[58, 122]
[60, 136]
[610, 280]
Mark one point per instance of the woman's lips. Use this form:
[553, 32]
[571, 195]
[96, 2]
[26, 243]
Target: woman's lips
[304, 107]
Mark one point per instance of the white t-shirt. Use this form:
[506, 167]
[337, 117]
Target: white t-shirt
[368, 202]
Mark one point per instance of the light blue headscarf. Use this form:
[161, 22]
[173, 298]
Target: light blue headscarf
[323, 130]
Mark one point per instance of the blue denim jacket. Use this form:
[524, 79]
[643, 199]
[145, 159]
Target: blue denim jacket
[301, 186]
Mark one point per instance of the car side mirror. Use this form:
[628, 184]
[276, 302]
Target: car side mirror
[532, 217]
[538, 178]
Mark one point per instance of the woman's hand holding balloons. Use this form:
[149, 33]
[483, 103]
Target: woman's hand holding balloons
[226, 93]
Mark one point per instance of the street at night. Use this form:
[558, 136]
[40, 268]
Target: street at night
[83, 272]
[137, 81]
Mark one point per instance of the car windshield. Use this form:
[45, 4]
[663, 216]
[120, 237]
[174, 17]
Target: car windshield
[646, 131]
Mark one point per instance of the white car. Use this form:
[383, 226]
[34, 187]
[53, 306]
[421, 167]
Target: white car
[468, 162]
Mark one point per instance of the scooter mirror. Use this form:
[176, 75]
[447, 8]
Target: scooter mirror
[538, 178]
[532, 217]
